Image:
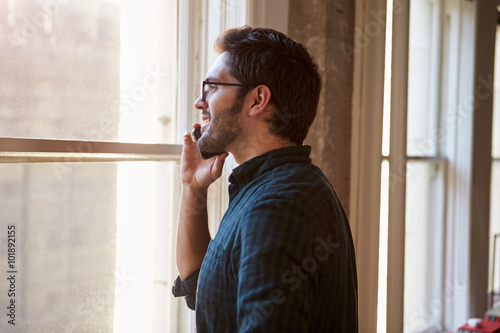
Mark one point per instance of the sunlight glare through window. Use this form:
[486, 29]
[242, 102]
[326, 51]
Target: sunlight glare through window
[384, 195]
[139, 54]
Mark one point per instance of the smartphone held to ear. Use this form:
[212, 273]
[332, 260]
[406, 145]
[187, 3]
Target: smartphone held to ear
[196, 133]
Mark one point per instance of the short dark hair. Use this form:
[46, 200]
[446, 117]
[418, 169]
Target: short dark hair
[265, 56]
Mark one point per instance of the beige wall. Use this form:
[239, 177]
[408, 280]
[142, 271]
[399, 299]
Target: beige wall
[323, 26]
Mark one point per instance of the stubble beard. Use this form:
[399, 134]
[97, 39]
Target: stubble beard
[223, 130]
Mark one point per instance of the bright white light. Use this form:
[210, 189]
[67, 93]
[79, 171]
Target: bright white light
[382, 266]
[384, 195]
[136, 181]
[138, 70]
[386, 132]
[135, 247]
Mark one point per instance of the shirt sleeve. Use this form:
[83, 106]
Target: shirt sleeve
[275, 293]
[187, 288]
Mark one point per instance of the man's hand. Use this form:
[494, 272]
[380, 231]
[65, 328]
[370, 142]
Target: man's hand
[196, 172]
[193, 235]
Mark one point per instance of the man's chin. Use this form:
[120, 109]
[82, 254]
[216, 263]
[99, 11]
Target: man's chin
[206, 155]
[210, 145]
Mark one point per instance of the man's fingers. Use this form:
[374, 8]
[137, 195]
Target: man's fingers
[188, 138]
[219, 164]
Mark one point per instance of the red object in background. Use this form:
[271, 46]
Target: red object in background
[486, 327]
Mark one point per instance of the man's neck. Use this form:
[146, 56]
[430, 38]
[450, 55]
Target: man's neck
[255, 146]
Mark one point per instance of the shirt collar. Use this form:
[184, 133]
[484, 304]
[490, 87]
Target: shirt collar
[253, 168]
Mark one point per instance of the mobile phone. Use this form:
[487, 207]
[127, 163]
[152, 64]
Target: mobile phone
[196, 133]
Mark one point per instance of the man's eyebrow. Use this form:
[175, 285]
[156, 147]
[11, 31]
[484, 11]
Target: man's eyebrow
[211, 78]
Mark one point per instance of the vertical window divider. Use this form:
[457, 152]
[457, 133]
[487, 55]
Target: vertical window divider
[187, 68]
[484, 61]
[397, 168]
[366, 158]
[466, 70]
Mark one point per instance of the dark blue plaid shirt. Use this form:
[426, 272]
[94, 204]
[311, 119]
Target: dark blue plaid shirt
[283, 257]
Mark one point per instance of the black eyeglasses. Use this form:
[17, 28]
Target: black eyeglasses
[204, 83]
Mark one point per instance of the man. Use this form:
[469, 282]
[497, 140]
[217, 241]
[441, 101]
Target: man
[283, 258]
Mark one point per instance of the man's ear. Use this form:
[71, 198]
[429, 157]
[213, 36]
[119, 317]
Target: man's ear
[260, 99]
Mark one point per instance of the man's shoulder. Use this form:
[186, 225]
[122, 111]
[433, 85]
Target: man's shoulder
[300, 178]
[302, 185]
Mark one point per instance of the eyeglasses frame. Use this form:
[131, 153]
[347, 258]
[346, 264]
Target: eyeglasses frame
[205, 82]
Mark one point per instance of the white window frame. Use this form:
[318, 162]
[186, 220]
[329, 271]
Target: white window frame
[366, 157]
[468, 163]
[34, 150]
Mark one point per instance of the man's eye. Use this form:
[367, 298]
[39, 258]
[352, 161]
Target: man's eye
[212, 86]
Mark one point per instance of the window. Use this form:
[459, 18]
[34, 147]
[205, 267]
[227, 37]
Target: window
[424, 242]
[103, 70]
[88, 164]
[433, 240]
[95, 98]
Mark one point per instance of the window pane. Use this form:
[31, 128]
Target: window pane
[423, 246]
[88, 70]
[93, 246]
[423, 79]
[382, 265]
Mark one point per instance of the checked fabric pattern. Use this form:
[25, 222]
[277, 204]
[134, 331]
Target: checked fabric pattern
[283, 257]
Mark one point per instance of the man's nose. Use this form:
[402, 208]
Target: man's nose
[199, 104]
